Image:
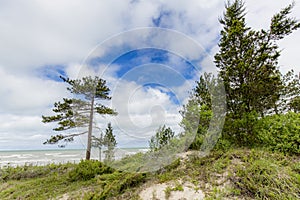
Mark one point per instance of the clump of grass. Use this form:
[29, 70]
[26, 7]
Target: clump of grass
[244, 173]
[264, 179]
[33, 171]
[116, 183]
[88, 169]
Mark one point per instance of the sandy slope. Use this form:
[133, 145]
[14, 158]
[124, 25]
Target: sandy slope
[158, 192]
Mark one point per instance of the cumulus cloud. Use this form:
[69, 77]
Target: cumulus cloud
[27, 95]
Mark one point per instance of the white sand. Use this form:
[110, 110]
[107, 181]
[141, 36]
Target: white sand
[157, 192]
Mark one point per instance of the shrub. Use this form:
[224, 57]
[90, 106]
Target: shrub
[280, 132]
[240, 130]
[264, 179]
[223, 145]
[88, 169]
[32, 171]
[116, 184]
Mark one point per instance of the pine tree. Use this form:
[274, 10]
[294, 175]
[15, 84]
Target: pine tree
[205, 101]
[161, 138]
[109, 141]
[78, 112]
[248, 63]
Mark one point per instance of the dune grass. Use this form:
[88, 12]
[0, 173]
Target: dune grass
[234, 174]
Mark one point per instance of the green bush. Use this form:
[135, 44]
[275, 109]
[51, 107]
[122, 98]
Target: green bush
[88, 169]
[280, 132]
[116, 184]
[240, 130]
[223, 145]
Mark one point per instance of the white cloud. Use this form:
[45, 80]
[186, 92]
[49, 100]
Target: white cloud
[46, 32]
[24, 95]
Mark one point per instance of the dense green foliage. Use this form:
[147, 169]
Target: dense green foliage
[52, 181]
[248, 60]
[295, 104]
[87, 170]
[79, 112]
[262, 180]
[116, 184]
[247, 174]
[280, 132]
[248, 64]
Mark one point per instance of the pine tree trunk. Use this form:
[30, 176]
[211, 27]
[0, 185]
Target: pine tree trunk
[89, 141]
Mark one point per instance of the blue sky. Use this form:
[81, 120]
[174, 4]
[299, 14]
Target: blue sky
[149, 70]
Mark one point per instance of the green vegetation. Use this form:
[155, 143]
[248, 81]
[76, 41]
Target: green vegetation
[197, 113]
[109, 141]
[87, 170]
[280, 132]
[87, 180]
[163, 137]
[168, 190]
[234, 174]
[257, 94]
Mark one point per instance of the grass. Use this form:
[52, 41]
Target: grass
[235, 174]
[249, 174]
[38, 182]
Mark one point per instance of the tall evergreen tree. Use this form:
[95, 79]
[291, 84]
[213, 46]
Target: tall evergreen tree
[205, 106]
[78, 112]
[248, 62]
[109, 141]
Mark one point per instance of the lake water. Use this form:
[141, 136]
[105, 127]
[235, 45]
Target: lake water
[43, 157]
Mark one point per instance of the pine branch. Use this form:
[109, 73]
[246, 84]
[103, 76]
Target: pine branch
[67, 138]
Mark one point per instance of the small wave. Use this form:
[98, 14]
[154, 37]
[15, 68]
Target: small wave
[10, 156]
[66, 155]
[52, 154]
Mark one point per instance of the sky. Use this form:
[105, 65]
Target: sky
[150, 52]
